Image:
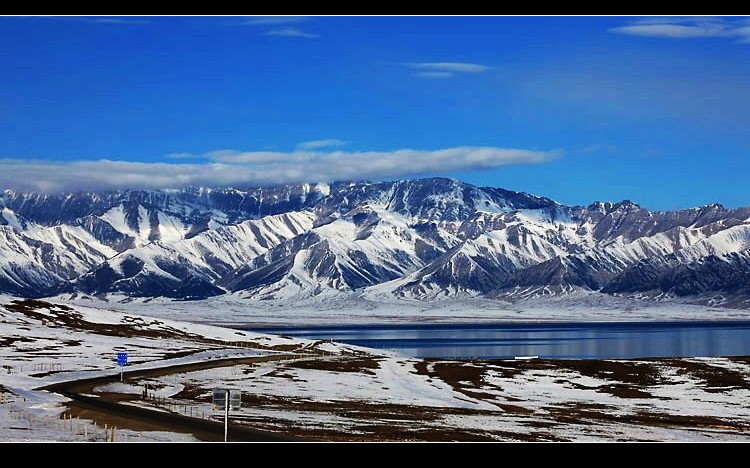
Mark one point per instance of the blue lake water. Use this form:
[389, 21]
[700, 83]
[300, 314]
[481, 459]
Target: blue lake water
[587, 340]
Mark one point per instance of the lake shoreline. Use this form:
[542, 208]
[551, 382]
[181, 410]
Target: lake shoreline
[550, 340]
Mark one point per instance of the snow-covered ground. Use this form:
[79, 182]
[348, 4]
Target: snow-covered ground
[403, 399]
[336, 396]
[45, 346]
[234, 309]
[43, 343]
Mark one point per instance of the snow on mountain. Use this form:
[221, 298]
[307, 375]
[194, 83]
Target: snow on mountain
[418, 239]
[36, 258]
[363, 247]
[187, 268]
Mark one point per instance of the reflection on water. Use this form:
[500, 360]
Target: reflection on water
[550, 340]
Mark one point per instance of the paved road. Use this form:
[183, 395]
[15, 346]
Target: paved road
[201, 428]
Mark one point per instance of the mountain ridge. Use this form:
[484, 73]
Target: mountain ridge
[421, 239]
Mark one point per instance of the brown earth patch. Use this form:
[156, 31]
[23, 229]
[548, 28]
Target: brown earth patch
[740, 359]
[279, 373]
[624, 391]
[192, 392]
[715, 378]
[10, 340]
[511, 368]
[513, 409]
[454, 373]
[479, 395]
[363, 366]
[579, 413]
[634, 373]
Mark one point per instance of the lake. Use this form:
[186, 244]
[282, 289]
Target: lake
[585, 340]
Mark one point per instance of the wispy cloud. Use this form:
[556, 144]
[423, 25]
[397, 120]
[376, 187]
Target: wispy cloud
[274, 20]
[318, 144]
[238, 168]
[458, 67]
[434, 74]
[280, 29]
[290, 32]
[688, 27]
[444, 69]
[674, 19]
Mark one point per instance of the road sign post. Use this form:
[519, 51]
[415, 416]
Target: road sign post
[122, 360]
[224, 398]
[226, 414]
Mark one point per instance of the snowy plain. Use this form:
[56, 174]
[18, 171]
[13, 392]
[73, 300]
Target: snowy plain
[235, 310]
[394, 398]
[43, 345]
[371, 396]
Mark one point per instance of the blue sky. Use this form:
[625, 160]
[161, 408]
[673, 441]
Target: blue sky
[656, 110]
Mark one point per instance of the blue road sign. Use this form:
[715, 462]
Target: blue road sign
[122, 359]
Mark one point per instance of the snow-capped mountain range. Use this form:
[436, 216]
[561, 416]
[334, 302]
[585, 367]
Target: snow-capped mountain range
[421, 239]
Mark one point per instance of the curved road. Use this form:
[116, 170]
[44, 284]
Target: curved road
[201, 428]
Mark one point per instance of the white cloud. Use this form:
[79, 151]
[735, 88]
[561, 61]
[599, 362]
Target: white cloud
[318, 144]
[438, 70]
[674, 19]
[688, 27]
[238, 168]
[282, 30]
[434, 74]
[272, 20]
[672, 30]
[453, 67]
[290, 32]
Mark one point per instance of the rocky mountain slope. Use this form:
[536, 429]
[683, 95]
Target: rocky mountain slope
[418, 239]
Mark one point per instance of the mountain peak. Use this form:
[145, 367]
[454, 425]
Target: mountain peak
[609, 207]
[424, 238]
[626, 204]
